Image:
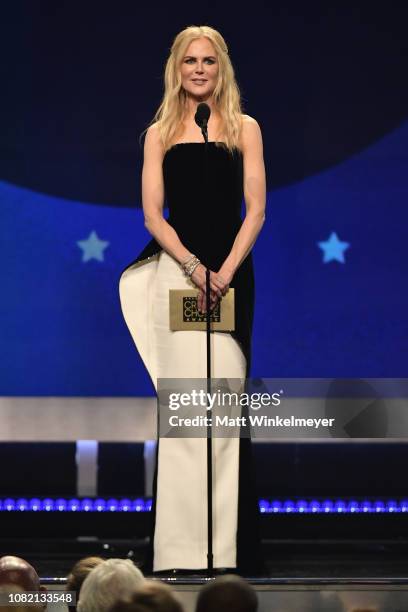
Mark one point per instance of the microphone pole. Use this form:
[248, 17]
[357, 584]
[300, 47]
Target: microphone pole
[201, 118]
[210, 558]
[204, 132]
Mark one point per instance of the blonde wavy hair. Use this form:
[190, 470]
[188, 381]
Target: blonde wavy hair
[227, 98]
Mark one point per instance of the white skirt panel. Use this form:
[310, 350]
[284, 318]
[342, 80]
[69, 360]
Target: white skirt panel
[180, 539]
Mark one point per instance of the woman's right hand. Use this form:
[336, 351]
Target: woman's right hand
[218, 287]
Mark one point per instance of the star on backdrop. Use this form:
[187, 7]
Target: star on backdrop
[333, 249]
[92, 247]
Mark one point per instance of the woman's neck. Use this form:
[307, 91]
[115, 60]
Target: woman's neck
[191, 108]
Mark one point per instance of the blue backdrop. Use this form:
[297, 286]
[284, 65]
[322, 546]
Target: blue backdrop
[328, 87]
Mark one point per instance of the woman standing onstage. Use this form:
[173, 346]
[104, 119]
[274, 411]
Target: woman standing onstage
[211, 229]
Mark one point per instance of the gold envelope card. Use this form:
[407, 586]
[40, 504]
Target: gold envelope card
[184, 313]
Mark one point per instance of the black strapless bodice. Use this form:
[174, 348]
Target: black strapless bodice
[204, 192]
[204, 207]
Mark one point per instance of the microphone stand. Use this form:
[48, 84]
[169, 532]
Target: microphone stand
[210, 557]
[210, 561]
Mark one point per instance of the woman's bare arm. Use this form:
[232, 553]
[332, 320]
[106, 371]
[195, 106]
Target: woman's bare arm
[153, 198]
[255, 198]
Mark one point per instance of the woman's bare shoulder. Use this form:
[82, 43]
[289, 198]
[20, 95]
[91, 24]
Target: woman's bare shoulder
[249, 124]
[248, 119]
[153, 133]
[251, 131]
[153, 142]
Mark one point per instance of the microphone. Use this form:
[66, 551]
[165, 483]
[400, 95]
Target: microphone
[201, 118]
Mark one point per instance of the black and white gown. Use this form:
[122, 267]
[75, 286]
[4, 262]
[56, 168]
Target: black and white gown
[207, 225]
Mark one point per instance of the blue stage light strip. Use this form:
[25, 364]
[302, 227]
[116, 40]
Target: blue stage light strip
[339, 506]
[75, 505]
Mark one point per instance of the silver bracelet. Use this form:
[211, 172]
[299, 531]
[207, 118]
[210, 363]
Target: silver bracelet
[190, 258]
[190, 265]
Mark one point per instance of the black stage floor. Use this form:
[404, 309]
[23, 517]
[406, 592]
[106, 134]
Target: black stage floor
[336, 560]
[316, 575]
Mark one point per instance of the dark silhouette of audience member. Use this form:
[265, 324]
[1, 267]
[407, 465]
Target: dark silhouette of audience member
[228, 592]
[107, 583]
[78, 574]
[152, 596]
[18, 576]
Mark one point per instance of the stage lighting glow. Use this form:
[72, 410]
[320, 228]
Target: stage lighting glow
[392, 506]
[74, 505]
[9, 504]
[61, 505]
[125, 505]
[353, 506]
[48, 505]
[22, 504]
[35, 504]
[301, 506]
[112, 505]
[139, 505]
[327, 506]
[275, 506]
[100, 505]
[87, 505]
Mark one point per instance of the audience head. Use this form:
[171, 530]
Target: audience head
[152, 596]
[107, 583]
[230, 593]
[78, 574]
[18, 576]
